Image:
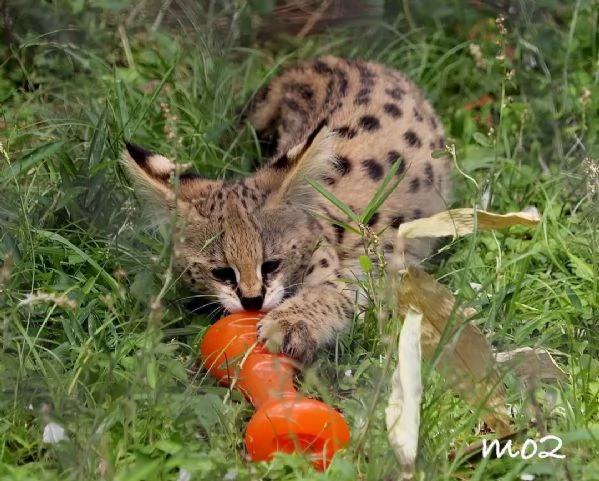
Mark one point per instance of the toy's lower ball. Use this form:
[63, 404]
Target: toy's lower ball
[297, 424]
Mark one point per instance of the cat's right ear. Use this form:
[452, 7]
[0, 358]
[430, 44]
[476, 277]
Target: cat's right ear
[313, 159]
[151, 175]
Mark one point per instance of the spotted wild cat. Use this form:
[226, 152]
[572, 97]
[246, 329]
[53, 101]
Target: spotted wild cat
[264, 242]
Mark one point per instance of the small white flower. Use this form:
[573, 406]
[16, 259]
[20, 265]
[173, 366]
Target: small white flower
[476, 287]
[527, 477]
[231, 475]
[531, 209]
[348, 373]
[184, 475]
[486, 199]
[53, 433]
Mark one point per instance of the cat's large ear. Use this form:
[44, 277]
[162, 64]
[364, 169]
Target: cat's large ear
[150, 173]
[312, 159]
[156, 182]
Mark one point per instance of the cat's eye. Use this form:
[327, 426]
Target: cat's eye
[224, 274]
[269, 267]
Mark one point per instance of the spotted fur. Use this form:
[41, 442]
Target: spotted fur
[270, 241]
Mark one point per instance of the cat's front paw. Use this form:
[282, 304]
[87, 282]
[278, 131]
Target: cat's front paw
[284, 331]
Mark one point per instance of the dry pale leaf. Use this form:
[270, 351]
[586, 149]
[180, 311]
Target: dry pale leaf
[531, 364]
[465, 356]
[53, 433]
[460, 222]
[402, 414]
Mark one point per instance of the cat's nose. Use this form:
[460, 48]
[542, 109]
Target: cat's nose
[252, 303]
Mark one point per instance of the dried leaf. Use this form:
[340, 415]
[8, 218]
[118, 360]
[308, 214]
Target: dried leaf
[466, 359]
[402, 414]
[53, 433]
[531, 363]
[460, 222]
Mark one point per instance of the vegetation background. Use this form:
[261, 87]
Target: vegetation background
[97, 336]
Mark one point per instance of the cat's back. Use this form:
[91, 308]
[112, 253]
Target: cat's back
[379, 116]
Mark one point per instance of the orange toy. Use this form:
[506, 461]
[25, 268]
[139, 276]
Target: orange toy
[284, 420]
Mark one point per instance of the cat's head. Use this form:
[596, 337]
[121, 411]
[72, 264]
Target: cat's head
[245, 243]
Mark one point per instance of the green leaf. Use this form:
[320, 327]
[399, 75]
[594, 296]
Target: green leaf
[139, 471]
[382, 193]
[481, 139]
[53, 236]
[143, 285]
[365, 263]
[263, 7]
[152, 373]
[439, 154]
[29, 160]
[581, 268]
[335, 201]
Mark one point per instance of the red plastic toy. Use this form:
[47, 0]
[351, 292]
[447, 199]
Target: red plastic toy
[284, 420]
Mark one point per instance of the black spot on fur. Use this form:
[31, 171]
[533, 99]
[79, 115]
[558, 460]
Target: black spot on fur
[329, 92]
[433, 122]
[414, 185]
[429, 175]
[441, 143]
[322, 68]
[281, 163]
[303, 89]
[254, 103]
[388, 247]
[187, 176]
[394, 75]
[374, 219]
[294, 106]
[394, 156]
[315, 132]
[397, 221]
[369, 123]
[363, 97]
[393, 110]
[432, 145]
[339, 233]
[346, 132]
[342, 81]
[261, 94]
[324, 263]
[330, 181]
[310, 270]
[417, 115]
[343, 165]
[367, 76]
[412, 139]
[417, 214]
[373, 169]
[337, 106]
[138, 154]
[287, 124]
[395, 93]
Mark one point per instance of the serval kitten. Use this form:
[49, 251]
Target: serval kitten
[271, 241]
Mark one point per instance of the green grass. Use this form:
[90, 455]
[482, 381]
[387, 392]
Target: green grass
[93, 323]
